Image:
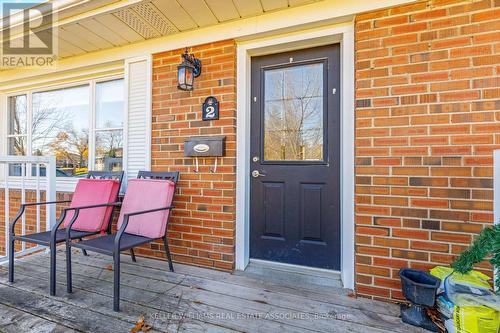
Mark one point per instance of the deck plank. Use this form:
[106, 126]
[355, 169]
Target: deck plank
[13, 320]
[250, 300]
[328, 295]
[222, 280]
[190, 302]
[156, 315]
[195, 299]
[51, 309]
[32, 280]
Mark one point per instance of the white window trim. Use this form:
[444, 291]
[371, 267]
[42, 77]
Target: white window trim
[62, 184]
[343, 33]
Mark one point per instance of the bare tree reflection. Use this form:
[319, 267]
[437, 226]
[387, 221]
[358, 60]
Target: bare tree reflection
[294, 115]
[56, 130]
[71, 148]
[17, 124]
[109, 150]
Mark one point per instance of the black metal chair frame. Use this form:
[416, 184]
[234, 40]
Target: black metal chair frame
[114, 244]
[52, 240]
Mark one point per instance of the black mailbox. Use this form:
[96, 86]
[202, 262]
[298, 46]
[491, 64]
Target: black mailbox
[204, 146]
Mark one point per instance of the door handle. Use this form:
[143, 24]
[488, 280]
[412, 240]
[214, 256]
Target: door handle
[256, 174]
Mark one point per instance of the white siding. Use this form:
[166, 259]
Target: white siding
[138, 121]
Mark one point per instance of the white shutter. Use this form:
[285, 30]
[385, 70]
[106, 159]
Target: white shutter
[138, 121]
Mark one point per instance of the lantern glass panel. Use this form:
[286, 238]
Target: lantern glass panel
[189, 76]
[181, 78]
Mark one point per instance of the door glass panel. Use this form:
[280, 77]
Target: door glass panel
[293, 113]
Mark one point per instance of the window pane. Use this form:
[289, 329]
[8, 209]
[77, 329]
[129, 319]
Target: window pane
[17, 146]
[109, 104]
[293, 113]
[61, 128]
[18, 114]
[109, 150]
[17, 123]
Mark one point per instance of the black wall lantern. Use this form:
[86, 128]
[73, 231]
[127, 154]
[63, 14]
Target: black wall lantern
[187, 71]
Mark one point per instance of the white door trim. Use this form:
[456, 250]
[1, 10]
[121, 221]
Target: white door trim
[343, 33]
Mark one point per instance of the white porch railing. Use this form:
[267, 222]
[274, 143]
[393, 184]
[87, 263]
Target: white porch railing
[35, 174]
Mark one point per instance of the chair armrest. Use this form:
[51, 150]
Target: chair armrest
[114, 204]
[16, 218]
[140, 212]
[44, 203]
[22, 209]
[53, 231]
[126, 217]
[77, 211]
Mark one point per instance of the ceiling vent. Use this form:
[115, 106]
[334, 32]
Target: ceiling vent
[146, 20]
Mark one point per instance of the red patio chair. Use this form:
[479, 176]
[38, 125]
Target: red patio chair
[143, 219]
[99, 188]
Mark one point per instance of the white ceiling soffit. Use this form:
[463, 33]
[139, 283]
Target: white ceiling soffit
[102, 24]
[155, 18]
[146, 19]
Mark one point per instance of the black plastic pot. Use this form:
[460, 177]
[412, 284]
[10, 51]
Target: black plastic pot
[416, 315]
[419, 287]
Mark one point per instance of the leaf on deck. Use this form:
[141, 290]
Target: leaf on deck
[140, 325]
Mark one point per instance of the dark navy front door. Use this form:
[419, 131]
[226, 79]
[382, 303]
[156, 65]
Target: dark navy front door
[295, 157]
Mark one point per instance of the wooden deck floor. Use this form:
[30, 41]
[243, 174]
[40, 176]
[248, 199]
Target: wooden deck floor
[190, 300]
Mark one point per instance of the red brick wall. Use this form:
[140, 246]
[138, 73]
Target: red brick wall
[427, 121]
[201, 230]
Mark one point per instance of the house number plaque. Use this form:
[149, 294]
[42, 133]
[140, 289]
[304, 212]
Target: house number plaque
[210, 109]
